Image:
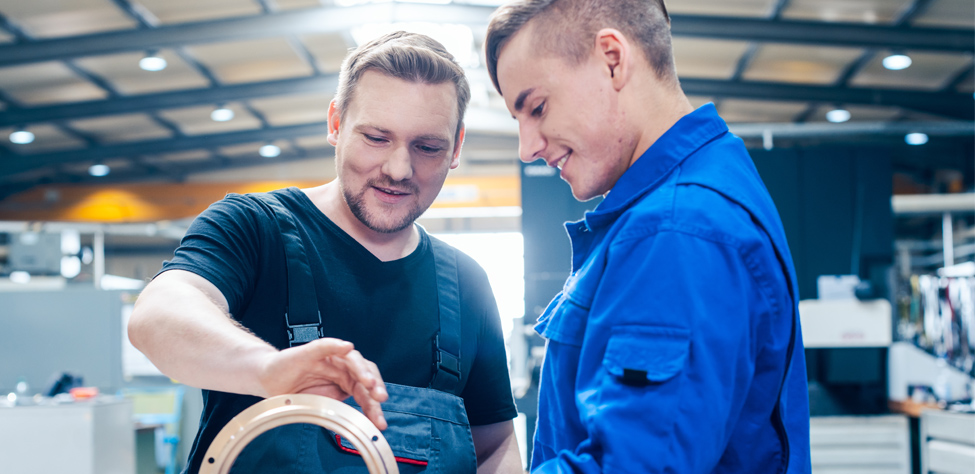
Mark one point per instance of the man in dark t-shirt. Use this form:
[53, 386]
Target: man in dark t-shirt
[418, 312]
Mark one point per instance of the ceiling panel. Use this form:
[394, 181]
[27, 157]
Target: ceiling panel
[196, 120]
[294, 109]
[46, 83]
[250, 150]
[955, 13]
[252, 60]
[124, 72]
[710, 59]
[122, 128]
[182, 11]
[697, 101]
[53, 18]
[799, 64]
[46, 138]
[856, 11]
[297, 4]
[748, 111]
[322, 170]
[329, 50]
[928, 71]
[181, 157]
[314, 141]
[858, 113]
[747, 8]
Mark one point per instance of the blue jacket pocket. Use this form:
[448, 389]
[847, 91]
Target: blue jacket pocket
[646, 353]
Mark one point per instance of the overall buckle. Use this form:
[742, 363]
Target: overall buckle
[446, 361]
[299, 334]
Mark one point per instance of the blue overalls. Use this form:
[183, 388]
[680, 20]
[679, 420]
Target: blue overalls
[428, 427]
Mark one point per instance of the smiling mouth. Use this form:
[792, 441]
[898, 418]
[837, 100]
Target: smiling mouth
[391, 192]
[559, 164]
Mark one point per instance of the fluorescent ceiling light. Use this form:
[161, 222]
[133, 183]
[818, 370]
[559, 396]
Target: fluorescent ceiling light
[896, 62]
[916, 138]
[458, 39]
[269, 151]
[222, 114]
[838, 115]
[99, 170]
[152, 63]
[21, 137]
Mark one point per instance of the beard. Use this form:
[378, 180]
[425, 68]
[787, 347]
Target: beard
[375, 222]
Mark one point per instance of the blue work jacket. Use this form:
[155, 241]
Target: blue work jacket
[675, 345]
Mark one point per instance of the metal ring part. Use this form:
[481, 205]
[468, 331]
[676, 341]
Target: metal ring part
[299, 408]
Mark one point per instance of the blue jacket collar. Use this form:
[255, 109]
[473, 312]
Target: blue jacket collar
[690, 133]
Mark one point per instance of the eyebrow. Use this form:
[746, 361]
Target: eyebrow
[520, 101]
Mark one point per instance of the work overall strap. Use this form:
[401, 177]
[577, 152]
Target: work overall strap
[446, 350]
[302, 316]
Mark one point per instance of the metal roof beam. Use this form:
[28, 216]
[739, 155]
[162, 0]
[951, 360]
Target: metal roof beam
[949, 104]
[338, 19]
[167, 100]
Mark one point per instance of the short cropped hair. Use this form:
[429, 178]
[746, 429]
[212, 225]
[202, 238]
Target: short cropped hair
[568, 28]
[408, 56]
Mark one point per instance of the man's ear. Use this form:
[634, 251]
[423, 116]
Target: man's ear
[333, 123]
[613, 50]
[455, 161]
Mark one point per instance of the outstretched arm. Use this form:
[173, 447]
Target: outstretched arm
[181, 322]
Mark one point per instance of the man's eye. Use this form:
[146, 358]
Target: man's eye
[429, 149]
[537, 111]
[375, 139]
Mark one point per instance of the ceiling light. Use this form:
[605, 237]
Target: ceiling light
[916, 138]
[21, 137]
[838, 115]
[152, 63]
[269, 151]
[99, 170]
[222, 114]
[896, 62]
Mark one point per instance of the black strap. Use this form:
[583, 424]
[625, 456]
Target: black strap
[447, 375]
[302, 316]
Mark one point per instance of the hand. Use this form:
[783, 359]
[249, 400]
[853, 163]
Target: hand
[328, 367]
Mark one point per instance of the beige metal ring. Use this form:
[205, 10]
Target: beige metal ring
[299, 408]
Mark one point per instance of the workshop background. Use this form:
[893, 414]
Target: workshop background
[120, 120]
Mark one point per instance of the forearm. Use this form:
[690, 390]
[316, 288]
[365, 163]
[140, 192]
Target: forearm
[190, 337]
[497, 448]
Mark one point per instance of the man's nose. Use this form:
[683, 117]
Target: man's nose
[399, 164]
[531, 144]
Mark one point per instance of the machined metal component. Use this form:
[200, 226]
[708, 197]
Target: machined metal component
[273, 412]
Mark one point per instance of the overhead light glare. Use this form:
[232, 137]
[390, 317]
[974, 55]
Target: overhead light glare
[152, 63]
[269, 151]
[896, 62]
[99, 170]
[21, 137]
[222, 114]
[838, 115]
[916, 138]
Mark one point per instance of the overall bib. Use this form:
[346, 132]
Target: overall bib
[428, 427]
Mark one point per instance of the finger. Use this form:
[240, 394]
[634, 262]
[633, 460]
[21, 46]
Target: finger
[379, 390]
[329, 346]
[361, 369]
[370, 406]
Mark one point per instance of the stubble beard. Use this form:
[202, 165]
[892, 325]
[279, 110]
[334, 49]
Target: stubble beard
[357, 205]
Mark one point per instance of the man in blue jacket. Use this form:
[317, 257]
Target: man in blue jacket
[675, 344]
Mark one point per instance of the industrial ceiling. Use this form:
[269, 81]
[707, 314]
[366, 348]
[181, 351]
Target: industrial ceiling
[70, 76]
